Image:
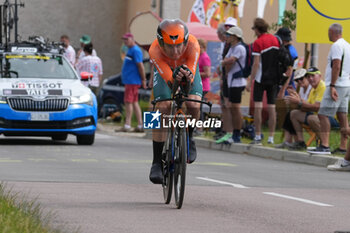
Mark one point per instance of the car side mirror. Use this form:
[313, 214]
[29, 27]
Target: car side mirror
[86, 76]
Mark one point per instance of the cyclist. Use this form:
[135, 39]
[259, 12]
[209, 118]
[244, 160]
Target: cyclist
[174, 47]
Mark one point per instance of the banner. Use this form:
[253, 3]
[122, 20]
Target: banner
[315, 16]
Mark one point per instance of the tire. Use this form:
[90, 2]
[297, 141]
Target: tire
[180, 167]
[86, 139]
[168, 177]
[61, 137]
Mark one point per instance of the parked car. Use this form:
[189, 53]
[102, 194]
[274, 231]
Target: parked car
[112, 91]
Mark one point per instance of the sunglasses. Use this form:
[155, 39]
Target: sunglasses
[299, 79]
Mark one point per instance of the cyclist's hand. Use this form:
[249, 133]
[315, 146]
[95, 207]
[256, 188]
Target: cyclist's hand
[186, 72]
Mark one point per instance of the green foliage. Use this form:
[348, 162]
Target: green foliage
[19, 215]
[289, 19]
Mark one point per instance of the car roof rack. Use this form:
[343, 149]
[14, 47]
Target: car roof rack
[35, 44]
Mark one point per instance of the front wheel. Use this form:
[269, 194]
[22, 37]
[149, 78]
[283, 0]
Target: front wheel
[168, 177]
[180, 167]
[86, 139]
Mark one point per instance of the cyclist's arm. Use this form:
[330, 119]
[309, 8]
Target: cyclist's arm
[159, 62]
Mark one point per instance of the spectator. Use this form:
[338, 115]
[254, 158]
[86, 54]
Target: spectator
[285, 35]
[234, 62]
[84, 40]
[304, 90]
[342, 164]
[306, 112]
[264, 72]
[133, 76]
[91, 64]
[302, 83]
[69, 51]
[204, 64]
[225, 103]
[336, 98]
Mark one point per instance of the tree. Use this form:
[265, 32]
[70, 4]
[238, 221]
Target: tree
[289, 21]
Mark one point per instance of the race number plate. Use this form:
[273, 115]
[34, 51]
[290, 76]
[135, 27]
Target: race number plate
[39, 116]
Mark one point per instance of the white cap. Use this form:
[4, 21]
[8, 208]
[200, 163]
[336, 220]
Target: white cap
[235, 31]
[299, 73]
[231, 21]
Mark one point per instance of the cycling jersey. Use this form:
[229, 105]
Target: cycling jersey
[165, 65]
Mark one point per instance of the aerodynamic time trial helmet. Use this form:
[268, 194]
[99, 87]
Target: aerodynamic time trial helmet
[172, 31]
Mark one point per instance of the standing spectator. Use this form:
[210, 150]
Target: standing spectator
[69, 51]
[91, 64]
[264, 72]
[204, 64]
[342, 164]
[84, 40]
[234, 63]
[133, 75]
[285, 35]
[225, 103]
[336, 98]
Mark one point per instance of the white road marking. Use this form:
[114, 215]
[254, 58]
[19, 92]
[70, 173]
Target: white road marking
[223, 182]
[298, 199]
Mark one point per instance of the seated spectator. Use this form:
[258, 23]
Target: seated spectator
[302, 83]
[305, 114]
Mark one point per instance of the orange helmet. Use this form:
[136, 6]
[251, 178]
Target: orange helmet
[172, 31]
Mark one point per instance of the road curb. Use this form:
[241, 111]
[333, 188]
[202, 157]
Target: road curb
[270, 153]
[253, 150]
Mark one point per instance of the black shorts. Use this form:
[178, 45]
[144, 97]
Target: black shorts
[271, 92]
[235, 94]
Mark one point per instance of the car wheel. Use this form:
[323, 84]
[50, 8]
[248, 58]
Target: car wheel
[62, 137]
[86, 139]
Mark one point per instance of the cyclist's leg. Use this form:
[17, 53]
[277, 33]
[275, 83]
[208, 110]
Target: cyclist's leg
[193, 109]
[160, 91]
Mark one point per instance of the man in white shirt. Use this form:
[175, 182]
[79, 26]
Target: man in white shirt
[336, 96]
[69, 51]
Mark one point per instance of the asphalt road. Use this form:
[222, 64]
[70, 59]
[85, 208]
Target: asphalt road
[104, 188]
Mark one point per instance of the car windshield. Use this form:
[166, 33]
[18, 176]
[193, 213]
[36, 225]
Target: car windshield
[35, 66]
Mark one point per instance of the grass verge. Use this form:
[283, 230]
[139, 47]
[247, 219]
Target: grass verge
[17, 215]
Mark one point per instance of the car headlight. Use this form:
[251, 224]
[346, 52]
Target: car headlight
[84, 99]
[3, 100]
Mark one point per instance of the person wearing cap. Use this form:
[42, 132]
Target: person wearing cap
[91, 64]
[305, 112]
[69, 51]
[302, 83]
[234, 62]
[226, 117]
[133, 76]
[84, 40]
[285, 36]
[337, 95]
[265, 77]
